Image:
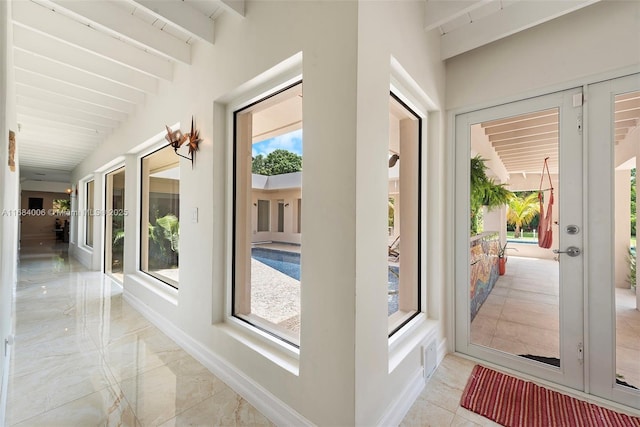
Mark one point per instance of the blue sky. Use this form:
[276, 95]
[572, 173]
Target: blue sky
[291, 141]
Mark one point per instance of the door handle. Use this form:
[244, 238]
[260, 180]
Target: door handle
[572, 251]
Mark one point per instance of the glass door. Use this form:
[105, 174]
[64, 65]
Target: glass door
[614, 300]
[114, 224]
[519, 236]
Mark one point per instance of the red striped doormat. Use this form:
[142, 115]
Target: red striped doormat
[516, 403]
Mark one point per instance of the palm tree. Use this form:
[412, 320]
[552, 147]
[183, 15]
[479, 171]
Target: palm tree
[522, 210]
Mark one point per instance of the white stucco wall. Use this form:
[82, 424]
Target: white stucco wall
[567, 49]
[346, 89]
[388, 30]
[9, 182]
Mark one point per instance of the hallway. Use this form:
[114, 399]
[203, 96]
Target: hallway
[83, 356]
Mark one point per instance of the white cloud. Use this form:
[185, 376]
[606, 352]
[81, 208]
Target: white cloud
[290, 141]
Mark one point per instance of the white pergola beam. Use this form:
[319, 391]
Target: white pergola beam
[510, 20]
[439, 12]
[235, 6]
[64, 101]
[182, 16]
[66, 111]
[36, 124]
[104, 130]
[115, 20]
[42, 45]
[41, 19]
[64, 73]
[47, 83]
[55, 138]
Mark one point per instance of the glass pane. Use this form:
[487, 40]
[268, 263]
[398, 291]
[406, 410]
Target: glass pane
[114, 233]
[268, 188]
[627, 299]
[514, 285]
[161, 216]
[89, 213]
[403, 209]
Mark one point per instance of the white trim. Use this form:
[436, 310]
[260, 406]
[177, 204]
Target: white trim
[4, 386]
[156, 286]
[282, 75]
[546, 90]
[402, 343]
[400, 406]
[265, 402]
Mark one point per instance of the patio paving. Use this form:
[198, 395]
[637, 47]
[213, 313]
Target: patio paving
[521, 316]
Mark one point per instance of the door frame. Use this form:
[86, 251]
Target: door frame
[600, 346]
[571, 372]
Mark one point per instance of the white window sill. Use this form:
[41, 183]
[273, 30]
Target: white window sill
[279, 352]
[156, 286]
[412, 335]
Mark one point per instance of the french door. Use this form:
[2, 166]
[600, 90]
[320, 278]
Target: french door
[613, 149]
[530, 319]
[568, 313]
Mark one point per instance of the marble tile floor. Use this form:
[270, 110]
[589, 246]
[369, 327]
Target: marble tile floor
[84, 357]
[521, 316]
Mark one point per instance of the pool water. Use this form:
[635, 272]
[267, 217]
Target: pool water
[285, 262]
[289, 264]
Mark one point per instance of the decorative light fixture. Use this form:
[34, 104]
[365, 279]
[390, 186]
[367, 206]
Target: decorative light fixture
[393, 160]
[176, 139]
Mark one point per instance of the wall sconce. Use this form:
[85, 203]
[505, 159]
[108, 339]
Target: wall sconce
[393, 160]
[176, 139]
[287, 204]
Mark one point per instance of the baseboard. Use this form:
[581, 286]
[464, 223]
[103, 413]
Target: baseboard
[4, 387]
[442, 350]
[264, 401]
[400, 406]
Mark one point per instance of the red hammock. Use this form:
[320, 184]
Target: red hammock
[545, 233]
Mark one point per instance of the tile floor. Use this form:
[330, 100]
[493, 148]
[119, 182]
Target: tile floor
[84, 357]
[521, 316]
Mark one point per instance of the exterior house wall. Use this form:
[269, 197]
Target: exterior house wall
[290, 200]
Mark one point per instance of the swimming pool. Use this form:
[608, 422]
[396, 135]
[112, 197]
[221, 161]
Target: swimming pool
[285, 262]
[289, 264]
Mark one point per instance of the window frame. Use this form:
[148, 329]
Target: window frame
[120, 167]
[141, 156]
[234, 111]
[398, 322]
[89, 208]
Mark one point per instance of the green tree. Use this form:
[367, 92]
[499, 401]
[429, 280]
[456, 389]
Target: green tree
[633, 201]
[522, 210]
[484, 192]
[257, 165]
[276, 163]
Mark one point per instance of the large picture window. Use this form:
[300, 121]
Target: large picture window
[267, 189]
[160, 223]
[403, 214]
[89, 207]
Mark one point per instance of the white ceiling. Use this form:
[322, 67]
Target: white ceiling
[83, 67]
[467, 24]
